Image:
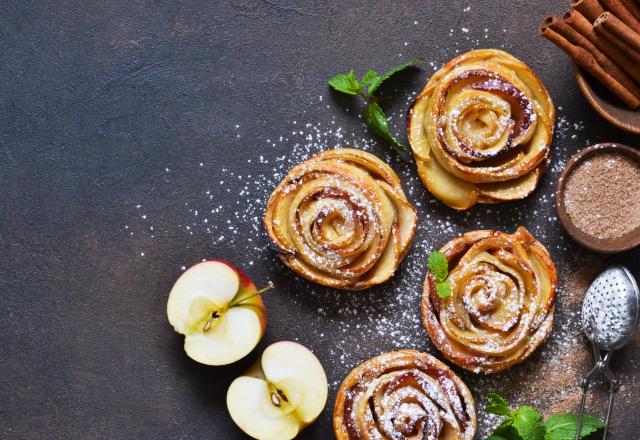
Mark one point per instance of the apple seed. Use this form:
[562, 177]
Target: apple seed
[282, 395]
[277, 397]
[207, 325]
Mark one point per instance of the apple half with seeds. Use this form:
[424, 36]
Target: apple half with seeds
[280, 395]
[219, 311]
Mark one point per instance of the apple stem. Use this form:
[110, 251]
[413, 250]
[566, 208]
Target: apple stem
[215, 315]
[258, 293]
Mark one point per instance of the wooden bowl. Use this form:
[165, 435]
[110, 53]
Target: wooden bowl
[606, 103]
[609, 246]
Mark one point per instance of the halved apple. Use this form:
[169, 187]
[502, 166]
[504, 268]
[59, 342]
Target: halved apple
[280, 395]
[219, 310]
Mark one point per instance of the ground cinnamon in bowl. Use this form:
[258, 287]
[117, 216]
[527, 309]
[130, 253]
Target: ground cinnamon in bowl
[602, 195]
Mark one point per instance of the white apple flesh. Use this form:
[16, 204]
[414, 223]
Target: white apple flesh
[277, 398]
[214, 306]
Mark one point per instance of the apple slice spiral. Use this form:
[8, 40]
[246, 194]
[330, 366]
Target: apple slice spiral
[481, 129]
[401, 395]
[502, 302]
[341, 219]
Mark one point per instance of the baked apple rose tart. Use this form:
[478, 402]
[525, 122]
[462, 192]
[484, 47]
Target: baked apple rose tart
[404, 395]
[481, 129]
[341, 219]
[503, 289]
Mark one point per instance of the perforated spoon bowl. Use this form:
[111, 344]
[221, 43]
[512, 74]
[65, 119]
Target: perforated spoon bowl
[609, 320]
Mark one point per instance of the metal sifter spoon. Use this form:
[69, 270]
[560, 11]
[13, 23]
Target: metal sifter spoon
[609, 320]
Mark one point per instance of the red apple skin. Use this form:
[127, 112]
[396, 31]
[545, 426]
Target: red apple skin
[245, 281]
[247, 288]
[245, 297]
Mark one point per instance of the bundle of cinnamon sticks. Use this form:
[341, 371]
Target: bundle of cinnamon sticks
[603, 37]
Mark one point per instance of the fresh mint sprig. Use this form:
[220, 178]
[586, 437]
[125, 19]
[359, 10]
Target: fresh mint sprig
[525, 423]
[439, 268]
[346, 83]
[366, 88]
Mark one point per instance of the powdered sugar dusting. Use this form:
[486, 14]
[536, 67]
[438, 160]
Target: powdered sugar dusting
[352, 327]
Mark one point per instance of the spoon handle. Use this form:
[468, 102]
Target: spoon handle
[606, 422]
[613, 387]
[584, 384]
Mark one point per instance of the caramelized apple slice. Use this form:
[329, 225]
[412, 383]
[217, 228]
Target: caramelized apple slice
[510, 190]
[456, 193]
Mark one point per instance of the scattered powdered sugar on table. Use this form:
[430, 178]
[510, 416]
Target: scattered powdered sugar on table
[386, 317]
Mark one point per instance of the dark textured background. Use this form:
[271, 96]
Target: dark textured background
[99, 98]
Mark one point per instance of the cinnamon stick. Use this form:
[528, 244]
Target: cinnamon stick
[621, 12]
[591, 9]
[601, 58]
[588, 62]
[619, 43]
[579, 22]
[633, 7]
[617, 27]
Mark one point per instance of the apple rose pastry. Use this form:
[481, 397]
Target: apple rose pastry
[481, 129]
[503, 289]
[341, 219]
[404, 395]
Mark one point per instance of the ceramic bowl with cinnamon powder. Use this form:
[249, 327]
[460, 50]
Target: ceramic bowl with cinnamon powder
[598, 198]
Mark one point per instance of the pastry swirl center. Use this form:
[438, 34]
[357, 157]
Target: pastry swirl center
[490, 297]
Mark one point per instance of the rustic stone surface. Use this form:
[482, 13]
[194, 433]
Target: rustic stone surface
[98, 98]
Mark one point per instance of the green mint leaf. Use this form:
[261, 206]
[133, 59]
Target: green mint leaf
[438, 265]
[368, 78]
[346, 83]
[379, 80]
[443, 289]
[495, 436]
[528, 422]
[496, 404]
[563, 426]
[589, 425]
[376, 120]
[506, 431]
